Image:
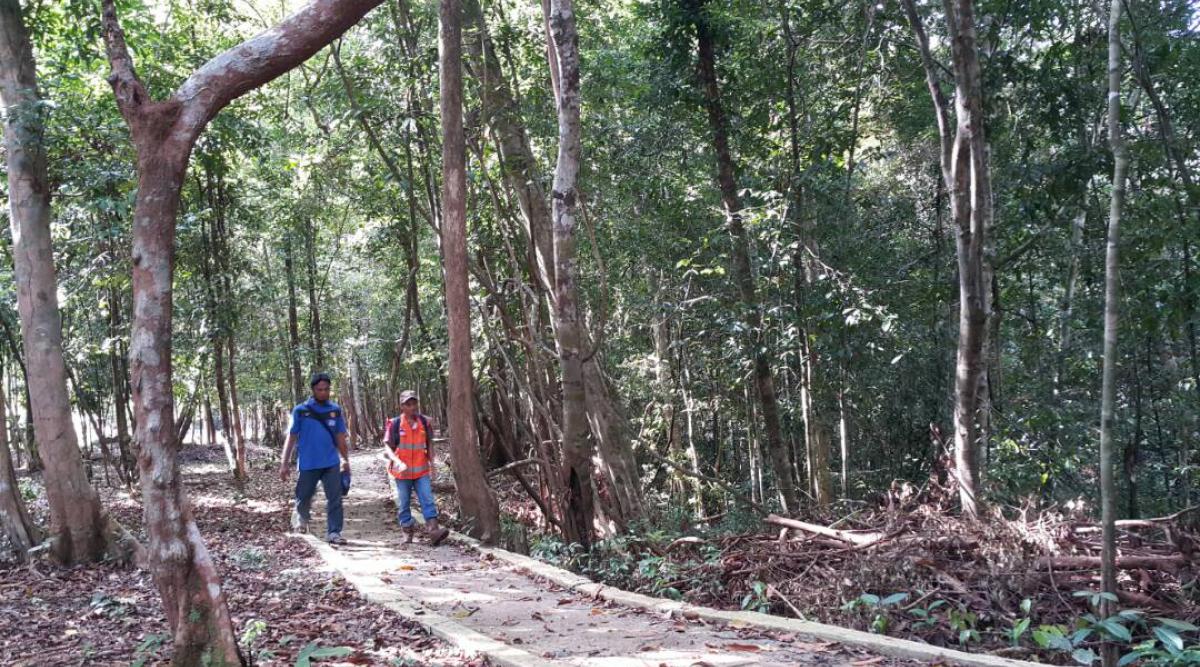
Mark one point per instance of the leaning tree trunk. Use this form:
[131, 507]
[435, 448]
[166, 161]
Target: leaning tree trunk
[1108, 491]
[77, 523]
[164, 133]
[764, 383]
[478, 503]
[21, 531]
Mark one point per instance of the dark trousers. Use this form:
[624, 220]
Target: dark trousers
[306, 487]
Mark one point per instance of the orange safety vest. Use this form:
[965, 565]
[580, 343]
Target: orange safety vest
[410, 442]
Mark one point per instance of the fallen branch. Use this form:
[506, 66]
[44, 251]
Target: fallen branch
[1123, 563]
[857, 539]
[771, 590]
[512, 466]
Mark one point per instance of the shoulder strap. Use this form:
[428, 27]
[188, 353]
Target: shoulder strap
[428, 434]
[309, 415]
[393, 431]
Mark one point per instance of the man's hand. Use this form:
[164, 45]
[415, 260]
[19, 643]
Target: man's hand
[284, 471]
[345, 465]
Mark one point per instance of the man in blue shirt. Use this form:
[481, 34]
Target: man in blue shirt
[318, 437]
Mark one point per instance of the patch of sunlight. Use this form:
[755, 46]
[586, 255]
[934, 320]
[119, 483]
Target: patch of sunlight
[256, 506]
[667, 659]
[447, 597]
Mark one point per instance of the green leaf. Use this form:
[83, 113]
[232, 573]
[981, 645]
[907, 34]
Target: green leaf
[1115, 629]
[869, 599]
[1169, 638]
[894, 598]
[332, 652]
[1174, 624]
[1083, 656]
[1128, 658]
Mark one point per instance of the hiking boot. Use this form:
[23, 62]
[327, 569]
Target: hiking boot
[437, 534]
[299, 523]
[410, 533]
[335, 538]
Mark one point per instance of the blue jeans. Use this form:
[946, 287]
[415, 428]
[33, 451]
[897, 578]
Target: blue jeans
[424, 489]
[306, 487]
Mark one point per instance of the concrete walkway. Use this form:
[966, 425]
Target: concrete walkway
[518, 611]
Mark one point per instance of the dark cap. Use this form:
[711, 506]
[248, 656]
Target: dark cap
[319, 377]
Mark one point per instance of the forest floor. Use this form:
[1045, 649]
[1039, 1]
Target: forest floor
[544, 620]
[283, 597]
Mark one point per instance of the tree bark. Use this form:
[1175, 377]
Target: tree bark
[164, 133]
[479, 505]
[22, 532]
[741, 270]
[76, 518]
[1108, 490]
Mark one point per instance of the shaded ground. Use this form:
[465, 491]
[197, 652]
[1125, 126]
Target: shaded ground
[282, 596]
[500, 602]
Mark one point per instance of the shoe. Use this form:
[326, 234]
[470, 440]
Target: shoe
[437, 534]
[410, 533]
[335, 538]
[299, 523]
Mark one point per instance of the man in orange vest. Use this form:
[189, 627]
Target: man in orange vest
[409, 450]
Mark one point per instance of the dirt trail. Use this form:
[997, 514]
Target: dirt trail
[559, 626]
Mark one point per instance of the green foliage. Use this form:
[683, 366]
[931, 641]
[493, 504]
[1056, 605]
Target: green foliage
[757, 599]
[314, 653]
[148, 649]
[878, 608]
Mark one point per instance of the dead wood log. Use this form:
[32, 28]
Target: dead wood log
[857, 539]
[1123, 563]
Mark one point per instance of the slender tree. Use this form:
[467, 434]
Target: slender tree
[1108, 490]
[743, 274]
[77, 523]
[478, 503]
[164, 133]
[21, 531]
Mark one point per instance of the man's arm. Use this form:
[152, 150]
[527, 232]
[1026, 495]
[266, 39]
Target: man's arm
[285, 462]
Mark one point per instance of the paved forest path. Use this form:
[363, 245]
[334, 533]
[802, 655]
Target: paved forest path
[484, 603]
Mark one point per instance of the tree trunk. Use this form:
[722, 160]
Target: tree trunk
[235, 411]
[501, 114]
[1108, 491]
[741, 270]
[21, 531]
[315, 339]
[120, 397]
[964, 164]
[164, 133]
[577, 449]
[479, 506]
[76, 519]
[293, 325]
